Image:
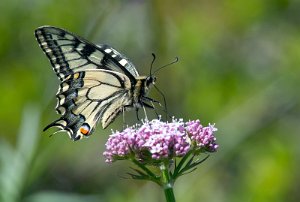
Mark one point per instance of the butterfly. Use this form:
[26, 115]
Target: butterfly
[97, 82]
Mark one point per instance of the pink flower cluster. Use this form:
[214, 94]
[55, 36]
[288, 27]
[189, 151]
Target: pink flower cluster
[160, 140]
[202, 136]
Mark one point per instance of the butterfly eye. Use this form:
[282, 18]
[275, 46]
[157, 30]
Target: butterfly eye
[85, 129]
[150, 80]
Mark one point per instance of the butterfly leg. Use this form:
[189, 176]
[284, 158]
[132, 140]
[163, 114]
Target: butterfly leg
[124, 122]
[145, 112]
[137, 113]
[156, 113]
[151, 100]
[153, 107]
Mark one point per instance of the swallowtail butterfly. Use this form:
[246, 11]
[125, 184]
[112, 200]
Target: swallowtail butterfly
[97, 82]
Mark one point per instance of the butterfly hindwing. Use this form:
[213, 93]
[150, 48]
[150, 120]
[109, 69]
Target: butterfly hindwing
[88, 96]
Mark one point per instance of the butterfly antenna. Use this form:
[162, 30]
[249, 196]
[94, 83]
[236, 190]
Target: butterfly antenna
[151, 67]
[173, 62]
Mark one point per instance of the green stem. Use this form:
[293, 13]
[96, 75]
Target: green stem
[167, 183]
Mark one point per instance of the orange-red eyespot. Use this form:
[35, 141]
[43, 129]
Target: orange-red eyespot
[85, 129]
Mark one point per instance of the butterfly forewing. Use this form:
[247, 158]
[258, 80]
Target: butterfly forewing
[69, 54]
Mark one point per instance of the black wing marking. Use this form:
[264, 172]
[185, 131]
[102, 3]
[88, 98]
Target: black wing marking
[86, 97]
[69, 53]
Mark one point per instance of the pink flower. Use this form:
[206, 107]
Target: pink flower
[203, 136]
[159, 140]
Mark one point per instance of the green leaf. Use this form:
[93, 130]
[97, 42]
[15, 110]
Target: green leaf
[189, 166]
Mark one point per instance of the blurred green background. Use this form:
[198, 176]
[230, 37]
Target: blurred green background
[239, 67]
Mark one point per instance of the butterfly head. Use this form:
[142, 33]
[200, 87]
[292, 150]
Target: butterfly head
[150, 80]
